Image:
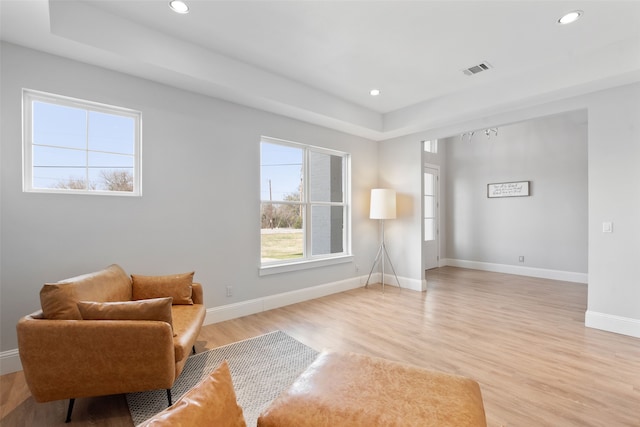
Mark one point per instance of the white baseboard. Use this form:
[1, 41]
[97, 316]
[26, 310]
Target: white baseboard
[10, 361]
[406, 283]
[612, 323]
[245, 308]
[543, 273]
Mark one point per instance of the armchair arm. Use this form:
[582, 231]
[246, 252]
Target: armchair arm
[196, 293]
[78, 358]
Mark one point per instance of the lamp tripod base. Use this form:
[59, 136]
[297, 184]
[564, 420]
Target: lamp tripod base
[380, 257]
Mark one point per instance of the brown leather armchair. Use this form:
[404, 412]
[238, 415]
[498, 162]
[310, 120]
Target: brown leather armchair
[66, 357]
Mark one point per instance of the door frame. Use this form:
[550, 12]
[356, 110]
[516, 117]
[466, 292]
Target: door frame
[438, 242]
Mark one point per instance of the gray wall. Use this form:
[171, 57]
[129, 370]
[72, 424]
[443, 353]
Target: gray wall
[550, 227]
[614, 195]
[400, 171]
[200, 204]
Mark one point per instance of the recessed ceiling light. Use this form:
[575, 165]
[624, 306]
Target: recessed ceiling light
[179, 6]
[375, 92]
[570, 17]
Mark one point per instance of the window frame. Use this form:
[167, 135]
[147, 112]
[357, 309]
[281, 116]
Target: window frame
[430, 146]
[308, 260]
[30, 96]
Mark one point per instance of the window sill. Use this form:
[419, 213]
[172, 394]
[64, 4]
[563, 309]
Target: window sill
[303, 265]
[83, 192]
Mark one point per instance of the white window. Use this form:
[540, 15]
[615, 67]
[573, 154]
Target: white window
[430, 146]
[304, 206]
[79, 147]
[430, 205]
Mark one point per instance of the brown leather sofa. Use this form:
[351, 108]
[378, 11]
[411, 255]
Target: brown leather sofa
[139, 336]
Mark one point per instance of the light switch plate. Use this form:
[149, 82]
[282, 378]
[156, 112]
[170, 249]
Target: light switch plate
[607, 227]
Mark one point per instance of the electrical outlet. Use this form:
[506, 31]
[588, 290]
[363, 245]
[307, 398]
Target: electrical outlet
[357, 268]
[229, 291]
[521, 258]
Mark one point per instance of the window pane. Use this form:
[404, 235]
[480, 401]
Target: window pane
[282, 236]
[429, 229]
[111, 179]
[59, 157]
[61, 168]
[59, 126]
[431, 146]
[325, 177]
[111, 161]
[280, 172]
[327, 230]
[108, 132]
[59, 177]
[429, 207]
[428, 185]
[277, 215]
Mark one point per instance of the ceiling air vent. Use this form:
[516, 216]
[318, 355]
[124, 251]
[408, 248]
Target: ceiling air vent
[484, 66]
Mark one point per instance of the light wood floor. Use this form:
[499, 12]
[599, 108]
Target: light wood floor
[522, 339]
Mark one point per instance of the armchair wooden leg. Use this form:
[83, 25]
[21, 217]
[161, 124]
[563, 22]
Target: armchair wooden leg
[70, 410]
[169, 396]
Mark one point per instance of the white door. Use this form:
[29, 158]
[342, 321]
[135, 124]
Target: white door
[430, 209]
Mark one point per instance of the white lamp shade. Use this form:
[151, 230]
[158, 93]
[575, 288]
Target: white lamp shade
[383, 204]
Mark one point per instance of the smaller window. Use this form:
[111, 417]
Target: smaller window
[79, 147]
[430, 146]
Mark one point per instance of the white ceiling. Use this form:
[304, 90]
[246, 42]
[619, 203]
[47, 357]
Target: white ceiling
[317, 60]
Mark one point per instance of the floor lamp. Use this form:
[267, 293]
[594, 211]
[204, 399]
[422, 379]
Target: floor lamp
[383, 206]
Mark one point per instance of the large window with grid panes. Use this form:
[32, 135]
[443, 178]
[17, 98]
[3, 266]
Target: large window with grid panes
[304, 206]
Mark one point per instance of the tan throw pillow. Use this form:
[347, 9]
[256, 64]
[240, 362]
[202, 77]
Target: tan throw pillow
[59, 300]
[177, 286]
[210, 403]
[147, 309]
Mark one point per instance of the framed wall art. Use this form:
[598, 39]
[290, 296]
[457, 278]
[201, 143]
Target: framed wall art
[508, 189]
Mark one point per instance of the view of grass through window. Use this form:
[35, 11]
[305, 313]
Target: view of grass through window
[281, 244]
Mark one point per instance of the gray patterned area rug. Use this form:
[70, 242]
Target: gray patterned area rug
[261, 368]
